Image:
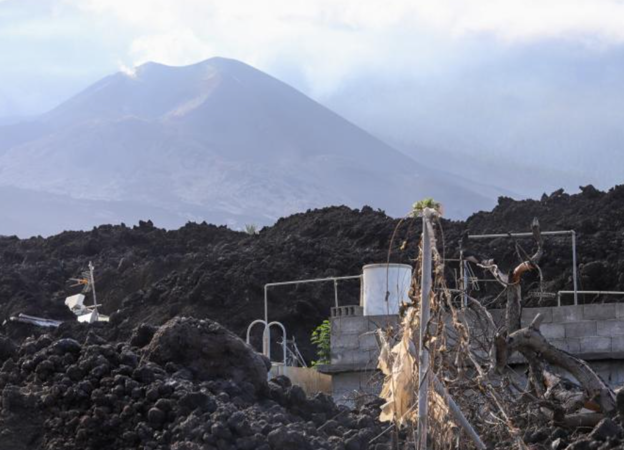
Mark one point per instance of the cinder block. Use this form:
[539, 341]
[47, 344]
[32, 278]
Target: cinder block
[595, 344]
[368, 341]
[339, 356]
[349, 325]
[553, 331]
[345, 341]
[617, 344]
[563, 314]
[580, 329]
[528, 314]
[345, 356]
[570, 345]
[617, 368]
[602, 311]
[373, 359]
[363, 358]
[619, 310]
[610, 328]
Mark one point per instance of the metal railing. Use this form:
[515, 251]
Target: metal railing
[560, 293]
[570, 233]
[266, 335]
[312, 280]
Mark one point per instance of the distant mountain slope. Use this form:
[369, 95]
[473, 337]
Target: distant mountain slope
[218, 140]
[521, 180]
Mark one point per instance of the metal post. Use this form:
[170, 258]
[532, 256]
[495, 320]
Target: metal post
[284, 341]
[459, 416]
[423, 357]
[465, 280]
[362, 291]
[572, 234]
[461, 282]
[266, 335]
[92, 281]
[574, 275]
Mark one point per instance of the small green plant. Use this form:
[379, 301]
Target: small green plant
[321, 337]
[251, 229]
[428, 202]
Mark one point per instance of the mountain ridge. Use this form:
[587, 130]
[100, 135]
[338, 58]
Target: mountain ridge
[219, 138]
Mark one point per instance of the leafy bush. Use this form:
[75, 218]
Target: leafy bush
[428, 202]
[321, 337]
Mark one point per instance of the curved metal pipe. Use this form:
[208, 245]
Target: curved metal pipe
[251, 325]
[280, 325]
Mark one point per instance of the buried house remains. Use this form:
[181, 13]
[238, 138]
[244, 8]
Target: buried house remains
[489, 370]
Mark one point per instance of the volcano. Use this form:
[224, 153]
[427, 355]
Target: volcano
[217, 141]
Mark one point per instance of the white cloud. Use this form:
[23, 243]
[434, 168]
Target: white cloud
[179, 46]
[509, 19]
[329, 39]
[258, 31]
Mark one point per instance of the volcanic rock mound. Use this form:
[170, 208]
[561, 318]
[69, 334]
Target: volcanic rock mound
[195, 386]
[209, 351]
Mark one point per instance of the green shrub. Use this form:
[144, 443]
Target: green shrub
[428, 202]
[321, 338]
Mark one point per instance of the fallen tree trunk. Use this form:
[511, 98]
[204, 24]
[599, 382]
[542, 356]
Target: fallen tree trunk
[530, 342]
[532, 345]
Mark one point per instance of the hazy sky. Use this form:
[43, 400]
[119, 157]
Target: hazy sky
[541, 76]
[318, 44]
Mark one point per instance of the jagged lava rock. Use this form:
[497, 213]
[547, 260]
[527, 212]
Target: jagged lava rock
[208, 350]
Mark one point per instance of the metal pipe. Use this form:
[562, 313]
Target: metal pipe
[485, 280]
[459, 416]
[251, 325]
[460, 284]
[266, 342]
[572, 233]
[362, 291]
[592, 292]
[278, 324]
[92, 280]
[574, 276]
[266, 335]
[527, 234]
[313, 280]
[423, 353]
[465, 286]
[575, 293]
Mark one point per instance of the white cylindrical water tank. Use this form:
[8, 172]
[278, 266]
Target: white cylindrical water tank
[379, 279]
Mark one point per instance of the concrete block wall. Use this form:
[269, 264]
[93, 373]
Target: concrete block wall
[589, 331]
[592, 332]
[353, 340]
[355, 388]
